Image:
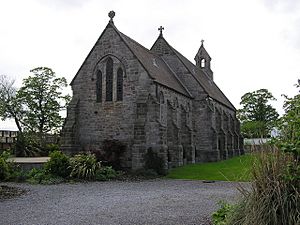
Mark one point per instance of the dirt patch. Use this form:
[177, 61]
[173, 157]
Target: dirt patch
[7, 192]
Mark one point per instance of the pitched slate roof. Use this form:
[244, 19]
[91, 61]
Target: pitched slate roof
[162, 73]
[208, 85]
[155, 65]
[204, 81]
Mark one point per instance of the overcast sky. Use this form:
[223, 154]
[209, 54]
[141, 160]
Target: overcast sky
[253, 43]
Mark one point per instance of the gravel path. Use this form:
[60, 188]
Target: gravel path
[127, 203]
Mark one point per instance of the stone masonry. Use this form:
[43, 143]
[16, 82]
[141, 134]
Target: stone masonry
[146, 99]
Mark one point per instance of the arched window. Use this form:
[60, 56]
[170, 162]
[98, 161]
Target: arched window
[120, 85]
[109, 80]
[202, 63]
[99, 86]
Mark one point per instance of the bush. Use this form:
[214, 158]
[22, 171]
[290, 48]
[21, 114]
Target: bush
[5, 166]
[48, 180]
[220, 216]
[51, 148]
[40, 176]
[154, 162]
[274, 197]
[84, 166]
[35, 176]
[105, 173]
[4, 169]
[19, 175]
[58, 165]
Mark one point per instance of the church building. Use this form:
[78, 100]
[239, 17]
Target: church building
[149, 99]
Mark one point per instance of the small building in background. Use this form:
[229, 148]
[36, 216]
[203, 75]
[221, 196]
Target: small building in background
[254, 144]
[7, 139]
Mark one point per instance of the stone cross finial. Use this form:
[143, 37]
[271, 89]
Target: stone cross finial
[111, 15]
[202, 41]
[160, 30]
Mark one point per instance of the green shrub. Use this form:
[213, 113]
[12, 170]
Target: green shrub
[51, 148]
[40, 176]
[5, 166]
[48, 179]
[4, 169]
[5, 154]
[58, 165]
[105, 173]
[35, 176]
[19, 175]
[220, 216]
[154, 162]
[84, 166]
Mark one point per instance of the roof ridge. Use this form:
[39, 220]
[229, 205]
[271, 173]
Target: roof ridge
[176, 52]
[180, 56]
[135, 42]
[176, 77]
[155, 56]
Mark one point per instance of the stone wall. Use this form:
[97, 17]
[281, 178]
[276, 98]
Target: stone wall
[181, 129]
[90, 122]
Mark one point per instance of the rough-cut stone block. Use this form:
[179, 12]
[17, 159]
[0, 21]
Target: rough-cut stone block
[167, 104]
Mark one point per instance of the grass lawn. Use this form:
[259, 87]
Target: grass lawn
[234, 169]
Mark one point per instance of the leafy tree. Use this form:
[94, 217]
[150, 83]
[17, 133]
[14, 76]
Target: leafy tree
[42, 98]
[257, 115]
[35, 107]
[10, 106]
[290, 123]
[252, 128]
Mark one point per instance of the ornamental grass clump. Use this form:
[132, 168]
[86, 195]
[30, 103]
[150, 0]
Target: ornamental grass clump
[274, 197]
[84, 166]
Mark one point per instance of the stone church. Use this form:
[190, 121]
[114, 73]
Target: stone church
[146, 99]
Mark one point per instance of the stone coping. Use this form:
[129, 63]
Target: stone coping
[29, 159]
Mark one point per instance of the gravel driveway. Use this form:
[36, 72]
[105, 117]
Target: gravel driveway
[128, 203]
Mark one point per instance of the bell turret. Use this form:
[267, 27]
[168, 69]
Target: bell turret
[203, 59]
